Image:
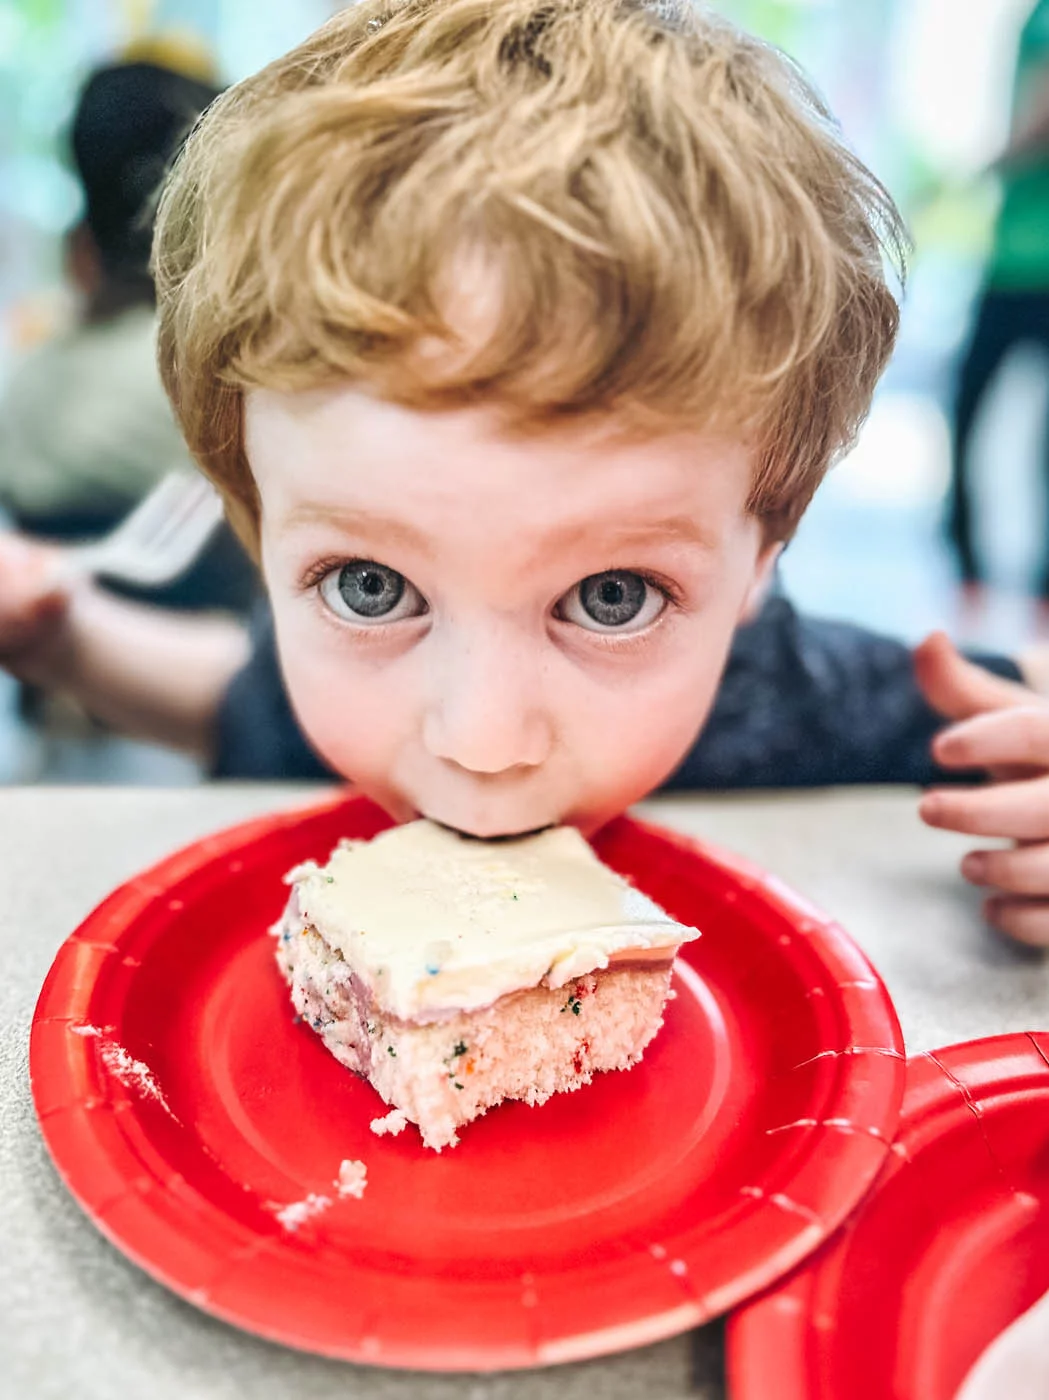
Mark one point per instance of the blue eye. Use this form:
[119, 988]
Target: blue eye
[370, 590]
[618, 600]
[363, 591]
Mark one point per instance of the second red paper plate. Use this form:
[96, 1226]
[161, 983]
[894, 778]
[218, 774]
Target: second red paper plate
[950, 1247]
[186, 1111]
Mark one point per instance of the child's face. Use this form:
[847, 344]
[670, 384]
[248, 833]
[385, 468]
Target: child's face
[498, 632]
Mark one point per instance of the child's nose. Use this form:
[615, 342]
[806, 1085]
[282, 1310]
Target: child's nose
[486, 712]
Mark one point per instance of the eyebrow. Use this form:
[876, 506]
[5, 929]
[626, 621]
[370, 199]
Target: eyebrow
[681, 529]
[363, 524]
[387, 529]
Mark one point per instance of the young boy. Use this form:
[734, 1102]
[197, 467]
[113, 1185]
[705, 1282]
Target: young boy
[517, 337]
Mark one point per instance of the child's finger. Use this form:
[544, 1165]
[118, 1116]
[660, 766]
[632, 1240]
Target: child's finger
[1017, 870]
[28, 568]
[31, 594]
[1026, 920]
[1017, 737]
[958, 688]
[1017, 809]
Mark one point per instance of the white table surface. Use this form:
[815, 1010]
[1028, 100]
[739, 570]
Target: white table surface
[78, 1321]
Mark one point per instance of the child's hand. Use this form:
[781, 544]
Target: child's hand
[1002, 727]
[33, 603]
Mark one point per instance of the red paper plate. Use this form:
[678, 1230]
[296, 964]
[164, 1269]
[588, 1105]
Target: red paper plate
[638, 1207]
[950, 1247]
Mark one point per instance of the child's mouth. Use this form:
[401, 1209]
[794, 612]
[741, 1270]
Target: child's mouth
[495, 836]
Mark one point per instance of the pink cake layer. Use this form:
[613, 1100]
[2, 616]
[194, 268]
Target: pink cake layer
[444, 1072]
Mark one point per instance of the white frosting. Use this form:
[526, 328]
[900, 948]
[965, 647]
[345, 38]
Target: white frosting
[434, 922]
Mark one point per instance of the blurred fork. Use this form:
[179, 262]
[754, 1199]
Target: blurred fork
[159, 539]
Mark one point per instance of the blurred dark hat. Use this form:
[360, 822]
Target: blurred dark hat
[130, 121]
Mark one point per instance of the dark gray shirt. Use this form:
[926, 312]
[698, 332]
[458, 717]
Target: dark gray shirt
[803, 703]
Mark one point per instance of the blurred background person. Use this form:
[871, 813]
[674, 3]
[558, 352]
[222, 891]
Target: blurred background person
[1013, 307]
[85, 427]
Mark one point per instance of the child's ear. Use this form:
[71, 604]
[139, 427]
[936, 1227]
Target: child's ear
[763, 571]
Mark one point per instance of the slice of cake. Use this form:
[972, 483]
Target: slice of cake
[453, 973]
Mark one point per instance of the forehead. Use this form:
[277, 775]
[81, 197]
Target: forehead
[321, 453]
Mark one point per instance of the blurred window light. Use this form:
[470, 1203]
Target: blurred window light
[950, 76]
[39, 192]
[901, 457]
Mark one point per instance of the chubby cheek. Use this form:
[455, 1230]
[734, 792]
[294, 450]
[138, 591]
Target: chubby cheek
[355, 725]
[635, 737]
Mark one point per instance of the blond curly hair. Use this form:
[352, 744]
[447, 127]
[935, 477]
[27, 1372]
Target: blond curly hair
[679, 234]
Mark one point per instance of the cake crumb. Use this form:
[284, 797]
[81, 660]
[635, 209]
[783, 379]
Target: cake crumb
[394, 1122]
[352, 1179]
[298, 1212]
[130, 1072]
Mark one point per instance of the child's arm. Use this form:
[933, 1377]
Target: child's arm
[1002, 728]
[149, 673]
